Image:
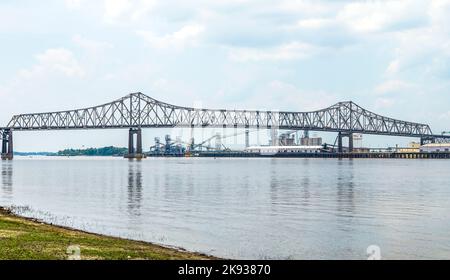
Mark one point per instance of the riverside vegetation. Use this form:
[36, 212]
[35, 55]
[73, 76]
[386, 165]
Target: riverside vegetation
[104, 151]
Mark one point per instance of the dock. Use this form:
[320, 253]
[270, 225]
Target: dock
[371, 155]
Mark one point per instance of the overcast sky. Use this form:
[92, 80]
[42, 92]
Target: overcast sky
[391, 57]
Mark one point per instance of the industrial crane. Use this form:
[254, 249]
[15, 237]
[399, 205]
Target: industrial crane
[200, 145]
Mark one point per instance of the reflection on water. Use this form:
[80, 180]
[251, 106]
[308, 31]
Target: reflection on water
[345, 195]
[6, 179]
[245, 208]
[134, 188]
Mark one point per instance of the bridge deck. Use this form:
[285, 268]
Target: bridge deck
[140, 111]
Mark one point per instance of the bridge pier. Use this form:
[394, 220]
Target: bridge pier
[135, 152]
[350, 141]
[247, 138]
[7, 145]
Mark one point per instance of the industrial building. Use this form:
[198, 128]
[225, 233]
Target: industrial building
[435, 148]
[289, 146]
[274, 150]
[313, 141]
[413, 147]
[286, 140]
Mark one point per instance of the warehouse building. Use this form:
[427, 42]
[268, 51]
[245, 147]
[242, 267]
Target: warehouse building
[413, 147]
[435, 148]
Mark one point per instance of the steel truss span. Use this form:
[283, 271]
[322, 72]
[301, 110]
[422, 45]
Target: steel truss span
[137, 110]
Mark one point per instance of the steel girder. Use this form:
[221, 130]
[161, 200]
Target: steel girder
[139, 110]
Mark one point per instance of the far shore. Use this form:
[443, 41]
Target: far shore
[30, 239]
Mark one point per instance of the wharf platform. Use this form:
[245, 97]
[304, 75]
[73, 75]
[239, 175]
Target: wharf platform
[371, 155]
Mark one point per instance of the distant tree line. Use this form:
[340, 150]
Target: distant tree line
[35, 154]
[105, 151]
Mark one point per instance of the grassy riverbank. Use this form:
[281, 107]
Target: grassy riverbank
[22, 238]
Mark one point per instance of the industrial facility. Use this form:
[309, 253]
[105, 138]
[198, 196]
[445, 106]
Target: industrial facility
[435, 148]
[288, 144]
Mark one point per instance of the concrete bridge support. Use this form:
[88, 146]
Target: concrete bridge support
[135, 152]
[340, 149]
[350, 141]
[247, 138]
[7, 145]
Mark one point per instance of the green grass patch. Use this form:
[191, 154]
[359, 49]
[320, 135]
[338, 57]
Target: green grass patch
[27, 239]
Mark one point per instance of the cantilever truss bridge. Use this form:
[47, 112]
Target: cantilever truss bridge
[137, 110]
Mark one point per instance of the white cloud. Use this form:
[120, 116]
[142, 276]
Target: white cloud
[383, 103]
[160, 84]
[415, 33]
[287, 96]
[393, 67]
[307, 7]
[291, 51]
[315, 23]
[91, 45]
[117, 10]
[42, 83]
[426, 48]
[445, 116]
[73, 4]
[374, 16]
[392, 86]
[54, 61]
[187, 35]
